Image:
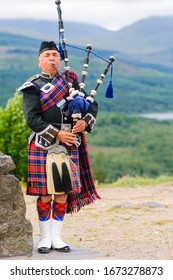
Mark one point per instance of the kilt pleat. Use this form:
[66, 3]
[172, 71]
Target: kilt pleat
[37, 180]
[88, 193]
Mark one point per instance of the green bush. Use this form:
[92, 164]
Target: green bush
[14, 134]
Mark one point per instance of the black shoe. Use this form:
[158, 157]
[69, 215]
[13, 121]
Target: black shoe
[44, 250]
[64, 249]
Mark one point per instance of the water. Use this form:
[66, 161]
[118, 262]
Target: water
[158, 116]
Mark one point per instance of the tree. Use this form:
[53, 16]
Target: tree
[98, 168]
[14, 134]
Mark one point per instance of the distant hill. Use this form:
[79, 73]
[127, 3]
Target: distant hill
[152, 34]
[149, 35]
[48, 30]
[11, 40]
[142, 76]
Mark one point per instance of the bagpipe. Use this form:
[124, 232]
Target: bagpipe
[59, 164]
[77, 104]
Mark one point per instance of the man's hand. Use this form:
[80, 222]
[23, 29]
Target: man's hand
[67, 137]
[79, 126]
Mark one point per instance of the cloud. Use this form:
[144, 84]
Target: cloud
[111, 14]
[117, 13]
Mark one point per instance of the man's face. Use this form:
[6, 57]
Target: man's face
[46, 59]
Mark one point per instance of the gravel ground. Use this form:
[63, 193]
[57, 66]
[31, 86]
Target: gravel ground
[127, 223]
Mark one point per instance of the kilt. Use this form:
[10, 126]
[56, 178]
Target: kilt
[84, 191]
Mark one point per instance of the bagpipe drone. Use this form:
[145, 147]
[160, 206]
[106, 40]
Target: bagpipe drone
[59, 163]
[77, 104]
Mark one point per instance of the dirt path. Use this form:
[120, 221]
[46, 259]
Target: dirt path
[127, 223]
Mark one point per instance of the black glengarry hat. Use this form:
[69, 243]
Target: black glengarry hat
[47, 46]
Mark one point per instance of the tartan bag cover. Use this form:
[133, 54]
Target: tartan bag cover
[84, 190]
[55, 95]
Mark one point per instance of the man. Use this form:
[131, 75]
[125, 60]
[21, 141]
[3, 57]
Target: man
[46, 112]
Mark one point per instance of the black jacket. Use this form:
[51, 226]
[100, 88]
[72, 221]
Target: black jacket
[43, 122]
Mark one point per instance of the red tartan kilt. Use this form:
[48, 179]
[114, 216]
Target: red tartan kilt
[37, 179]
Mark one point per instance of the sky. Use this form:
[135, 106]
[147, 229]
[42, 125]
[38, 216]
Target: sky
[110, 14]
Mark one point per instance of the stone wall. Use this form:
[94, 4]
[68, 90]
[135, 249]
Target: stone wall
[15, 229]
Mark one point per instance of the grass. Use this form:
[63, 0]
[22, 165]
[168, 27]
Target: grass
[94, 150]
[162, 222]
[128, 181]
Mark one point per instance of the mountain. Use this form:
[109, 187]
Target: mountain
[11, 43]
[48, 30]
[153, 34]
[142, 76]
[163, 58]
[148, 35]
[145, 36]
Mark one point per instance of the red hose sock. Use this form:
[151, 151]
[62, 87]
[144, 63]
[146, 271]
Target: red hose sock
[44, 210]
[59, 210]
